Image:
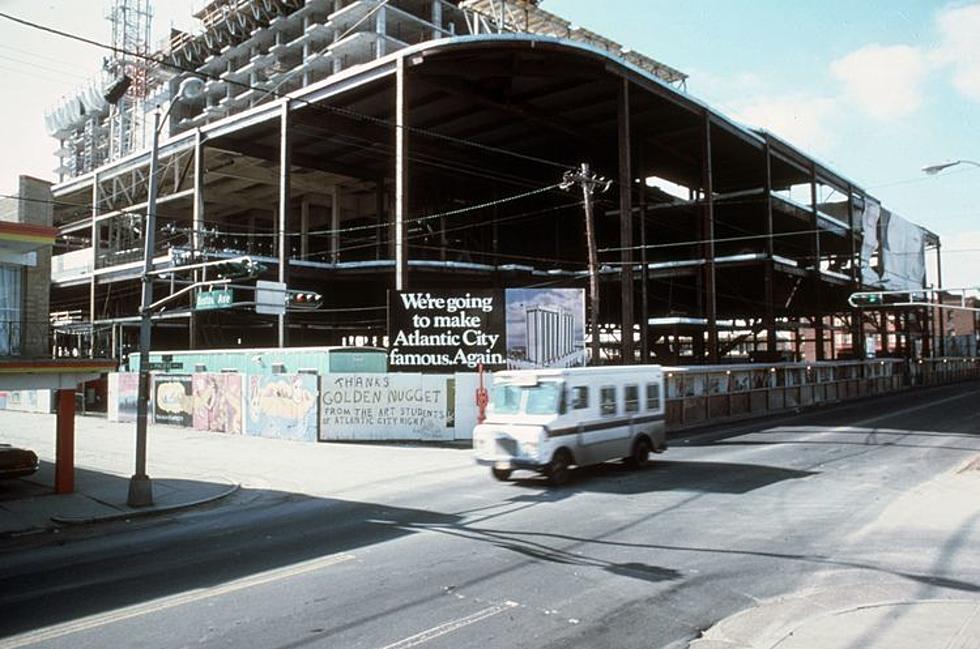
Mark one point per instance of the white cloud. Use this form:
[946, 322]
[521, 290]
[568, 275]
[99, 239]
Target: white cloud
[886, 82]
[803, 120]
[959, 47]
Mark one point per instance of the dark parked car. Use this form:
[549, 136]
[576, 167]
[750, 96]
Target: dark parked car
[16, 462]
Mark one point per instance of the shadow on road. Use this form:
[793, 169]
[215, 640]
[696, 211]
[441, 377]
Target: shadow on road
[668, 475]
[54, 581]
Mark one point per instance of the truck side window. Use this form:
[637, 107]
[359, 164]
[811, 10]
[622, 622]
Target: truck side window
[653, 396]
[607, 401]
[631, 397]
[580, 397]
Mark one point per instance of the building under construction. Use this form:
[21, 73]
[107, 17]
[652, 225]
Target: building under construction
[359, 146]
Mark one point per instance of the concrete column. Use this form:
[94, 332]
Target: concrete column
[437, 18]
[64, 464]
[381, 28]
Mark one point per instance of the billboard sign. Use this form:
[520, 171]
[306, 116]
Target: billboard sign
[446, 330]
[173, 400]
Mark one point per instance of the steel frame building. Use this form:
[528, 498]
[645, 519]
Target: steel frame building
[367, 180]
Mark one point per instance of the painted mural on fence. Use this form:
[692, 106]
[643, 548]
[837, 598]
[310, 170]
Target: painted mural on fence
[282, 406]
[123, 395]
[173, 400]
[373, 406]
[218, 402]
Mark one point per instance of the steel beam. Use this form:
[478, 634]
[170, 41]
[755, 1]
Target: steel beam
[626, 221]
[401, 177]
[818, 283]
[708, 241]
[644, 271]
[197, 226]
[285, 161]
[770, 270]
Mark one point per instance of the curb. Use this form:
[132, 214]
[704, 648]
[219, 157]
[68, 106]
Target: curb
[143, 513]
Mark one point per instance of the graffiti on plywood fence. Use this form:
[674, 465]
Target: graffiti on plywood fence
[304, 407]
[218, 402]
[283, 406]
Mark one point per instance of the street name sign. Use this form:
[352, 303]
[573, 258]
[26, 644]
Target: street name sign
[208, 300]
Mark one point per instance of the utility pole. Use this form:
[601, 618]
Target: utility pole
[589, 182]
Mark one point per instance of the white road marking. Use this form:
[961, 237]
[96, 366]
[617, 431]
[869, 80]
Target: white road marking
[102, 619]
[449, 627]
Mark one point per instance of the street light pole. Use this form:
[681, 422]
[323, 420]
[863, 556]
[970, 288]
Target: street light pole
[140, 487]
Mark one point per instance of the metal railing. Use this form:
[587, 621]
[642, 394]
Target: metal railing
[24, 339]
[699, 395]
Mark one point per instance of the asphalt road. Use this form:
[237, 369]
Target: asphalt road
[617, 558]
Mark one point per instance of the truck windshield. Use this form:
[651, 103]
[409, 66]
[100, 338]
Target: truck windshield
[541, 399]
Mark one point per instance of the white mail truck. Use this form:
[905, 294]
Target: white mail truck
[549, 420]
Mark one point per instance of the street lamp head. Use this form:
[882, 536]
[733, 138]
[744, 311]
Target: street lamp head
[190, 88]
[932, 170]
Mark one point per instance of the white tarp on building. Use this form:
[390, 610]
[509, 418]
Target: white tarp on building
[870, 216]
[903, 253]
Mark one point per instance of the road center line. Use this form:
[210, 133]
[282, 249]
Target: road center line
[449, 627]
[102, 619]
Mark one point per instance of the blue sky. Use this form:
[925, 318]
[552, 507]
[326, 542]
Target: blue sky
[876, 89]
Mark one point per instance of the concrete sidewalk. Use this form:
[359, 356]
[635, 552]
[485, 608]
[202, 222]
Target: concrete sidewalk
[190, 468]
[29, 505]
[861, 611]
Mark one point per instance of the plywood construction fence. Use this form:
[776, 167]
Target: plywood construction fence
[308, 407]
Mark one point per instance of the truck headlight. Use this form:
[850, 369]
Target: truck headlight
[529, 448]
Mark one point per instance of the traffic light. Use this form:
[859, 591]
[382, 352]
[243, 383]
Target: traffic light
[303, 300]
[238, 269]
[866, 300]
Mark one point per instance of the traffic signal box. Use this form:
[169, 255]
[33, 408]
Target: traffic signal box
[303, 300]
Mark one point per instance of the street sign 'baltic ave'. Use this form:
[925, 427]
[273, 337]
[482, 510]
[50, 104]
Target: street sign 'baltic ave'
[207, 300]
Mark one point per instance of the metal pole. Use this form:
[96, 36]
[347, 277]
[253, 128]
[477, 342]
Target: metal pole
[140, 487]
